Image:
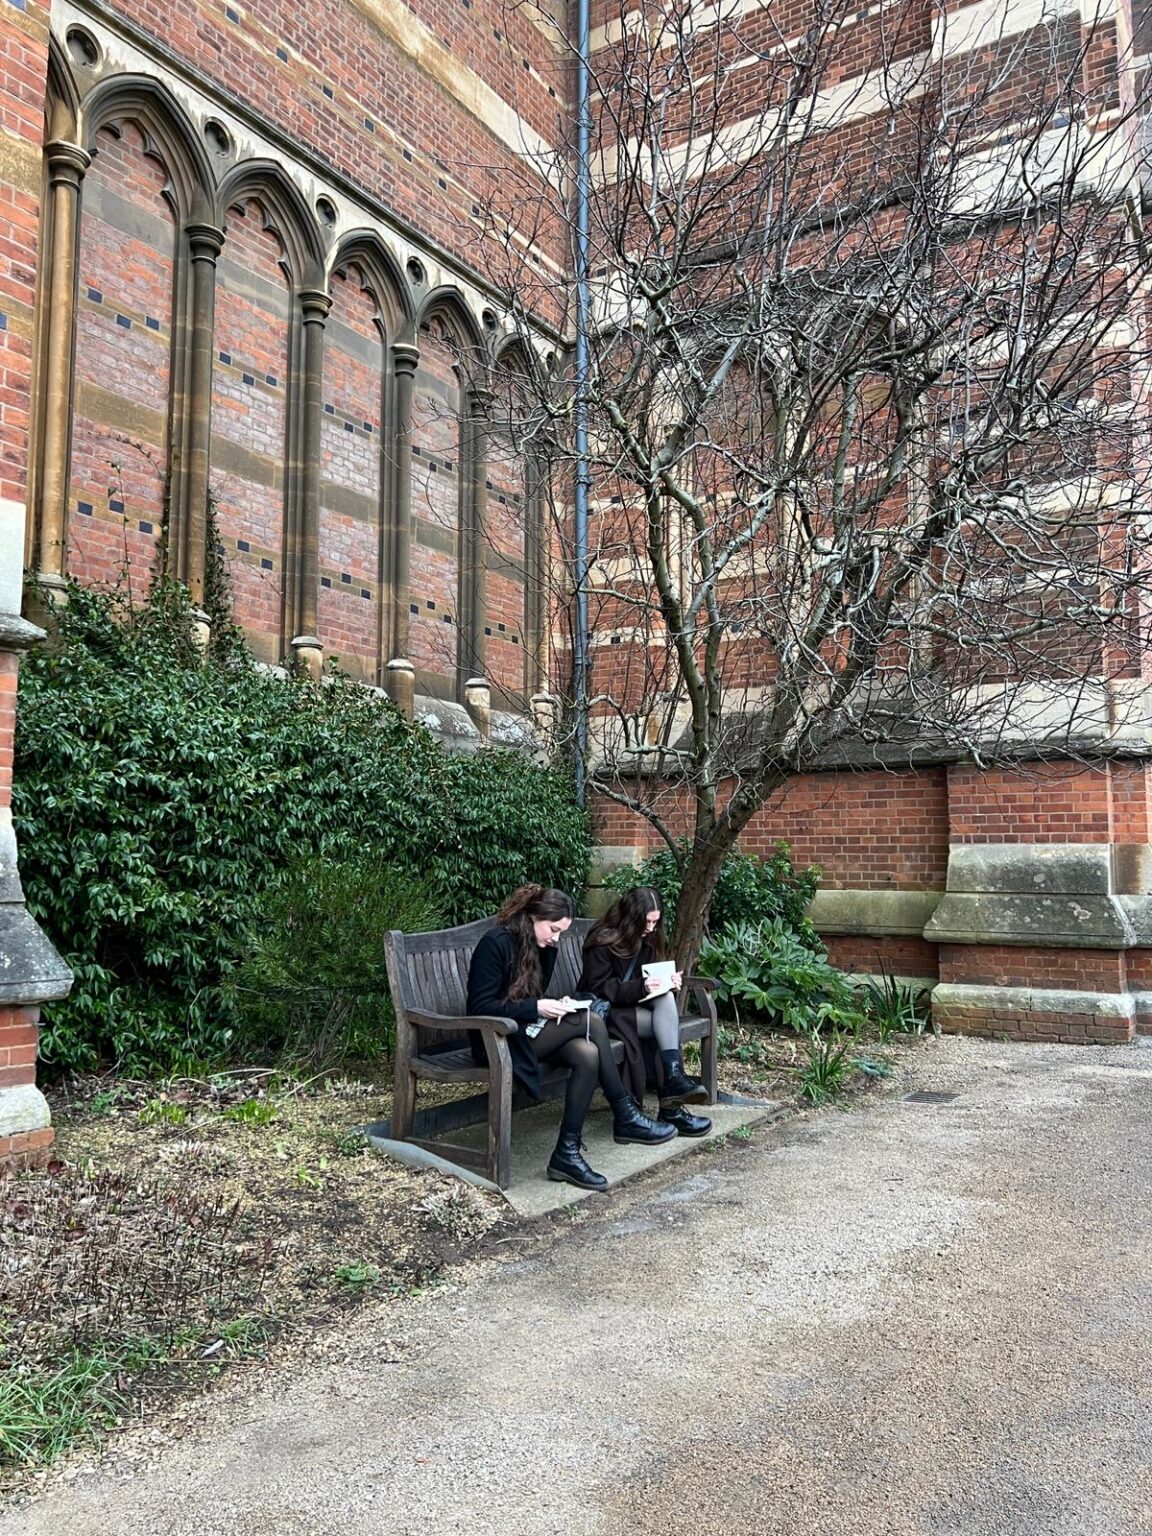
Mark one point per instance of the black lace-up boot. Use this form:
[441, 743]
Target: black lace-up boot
[678, 1088]
[686, 1124]
[567, 1165]
[630, 1123]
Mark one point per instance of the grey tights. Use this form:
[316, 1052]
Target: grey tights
[660, 1020]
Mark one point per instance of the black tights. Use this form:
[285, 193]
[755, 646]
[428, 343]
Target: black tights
[587, 1053]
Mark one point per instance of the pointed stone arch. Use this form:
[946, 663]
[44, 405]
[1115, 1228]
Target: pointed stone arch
[170, 135]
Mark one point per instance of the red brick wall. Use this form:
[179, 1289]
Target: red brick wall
[123, 340]
[351, 445]
[992, 965]
[865, 830]
[249, 422]
[23, 67]
[435, 572]
[1040, 803]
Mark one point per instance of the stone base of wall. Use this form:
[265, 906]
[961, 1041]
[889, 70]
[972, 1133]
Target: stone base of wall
[1031, 1013]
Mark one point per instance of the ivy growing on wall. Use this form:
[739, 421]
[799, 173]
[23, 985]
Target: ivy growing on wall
[158, 793]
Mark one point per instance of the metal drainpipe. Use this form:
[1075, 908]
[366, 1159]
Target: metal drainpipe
[580, 528]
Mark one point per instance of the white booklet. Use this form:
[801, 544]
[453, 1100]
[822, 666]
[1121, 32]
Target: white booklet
[661, 971]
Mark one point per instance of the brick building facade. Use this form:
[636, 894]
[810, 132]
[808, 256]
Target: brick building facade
[242, 266]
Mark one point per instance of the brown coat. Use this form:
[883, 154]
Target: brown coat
[603, 976]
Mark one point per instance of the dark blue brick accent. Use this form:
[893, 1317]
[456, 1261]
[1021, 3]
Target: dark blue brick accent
[124, 321]
[151, 322]
[364, 592]
[243, 545]
[325, 581]
[265, 565]
[84, 508]
[282, 55]
[115, 506]
[248, 378]
[225, 357]
[270, 378]
[346, 578]
[145, 527]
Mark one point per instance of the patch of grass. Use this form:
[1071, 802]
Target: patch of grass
[251, 1112]
[48, 1408]
[163, 1112]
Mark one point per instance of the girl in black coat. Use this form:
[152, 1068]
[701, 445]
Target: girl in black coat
[509, 974]
[628, 937]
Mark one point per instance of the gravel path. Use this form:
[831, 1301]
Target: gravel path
[914, 1319]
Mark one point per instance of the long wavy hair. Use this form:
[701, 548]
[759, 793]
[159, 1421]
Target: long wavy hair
[621, 929]
[527, 905]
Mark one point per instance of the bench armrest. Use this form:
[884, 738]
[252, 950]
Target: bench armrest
[705, 983]
[453, 1025]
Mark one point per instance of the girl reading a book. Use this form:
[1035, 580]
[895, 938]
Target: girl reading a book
[511, 968]
[625, 961]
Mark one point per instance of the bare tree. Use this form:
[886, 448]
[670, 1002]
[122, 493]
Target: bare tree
[866, 398]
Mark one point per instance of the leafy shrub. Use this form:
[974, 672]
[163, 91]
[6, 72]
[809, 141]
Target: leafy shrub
[157, 795]
[312, 986]
[749, 890]
[779, 977]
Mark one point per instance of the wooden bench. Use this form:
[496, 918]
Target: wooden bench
[428, 977]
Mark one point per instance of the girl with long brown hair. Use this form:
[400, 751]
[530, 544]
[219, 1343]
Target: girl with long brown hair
[628, 937]
[511, 968]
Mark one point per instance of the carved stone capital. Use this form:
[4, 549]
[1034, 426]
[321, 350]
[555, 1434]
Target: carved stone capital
[66, 163]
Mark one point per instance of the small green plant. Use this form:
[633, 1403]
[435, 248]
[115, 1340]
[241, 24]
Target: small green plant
[251, 1112]
[742, 1133]
[893, 1007]
[164, 1112]
[346, 1142]
[871, 1066]
[357, 1277]
[821, 1077]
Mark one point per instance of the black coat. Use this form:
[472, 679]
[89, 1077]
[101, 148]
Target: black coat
[490, 975]
[603, 976]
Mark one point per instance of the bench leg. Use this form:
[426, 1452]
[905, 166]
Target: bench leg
[403, 1100]
[499, 1112]
[708, 1064]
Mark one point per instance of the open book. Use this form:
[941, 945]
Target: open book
[661, 971]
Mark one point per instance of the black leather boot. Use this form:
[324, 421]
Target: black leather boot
[630, 1123]
[567, 1166]
[686, 1124]
[678, 1088]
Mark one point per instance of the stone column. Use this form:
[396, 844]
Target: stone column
[478, 703]
[401, 686]
[190, 494]
[473, 549]
[306, 647]
[404, 362]
[66, 166]
[32, 973]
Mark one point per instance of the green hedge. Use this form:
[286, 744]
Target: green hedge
[157, 796]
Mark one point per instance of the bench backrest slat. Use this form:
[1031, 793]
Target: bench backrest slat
[430, 971]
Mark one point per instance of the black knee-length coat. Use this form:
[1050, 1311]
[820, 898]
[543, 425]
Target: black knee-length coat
[491, 973]
[603, 976]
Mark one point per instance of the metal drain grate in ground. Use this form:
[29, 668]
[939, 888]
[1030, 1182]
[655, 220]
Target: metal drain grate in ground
[929, 1096]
